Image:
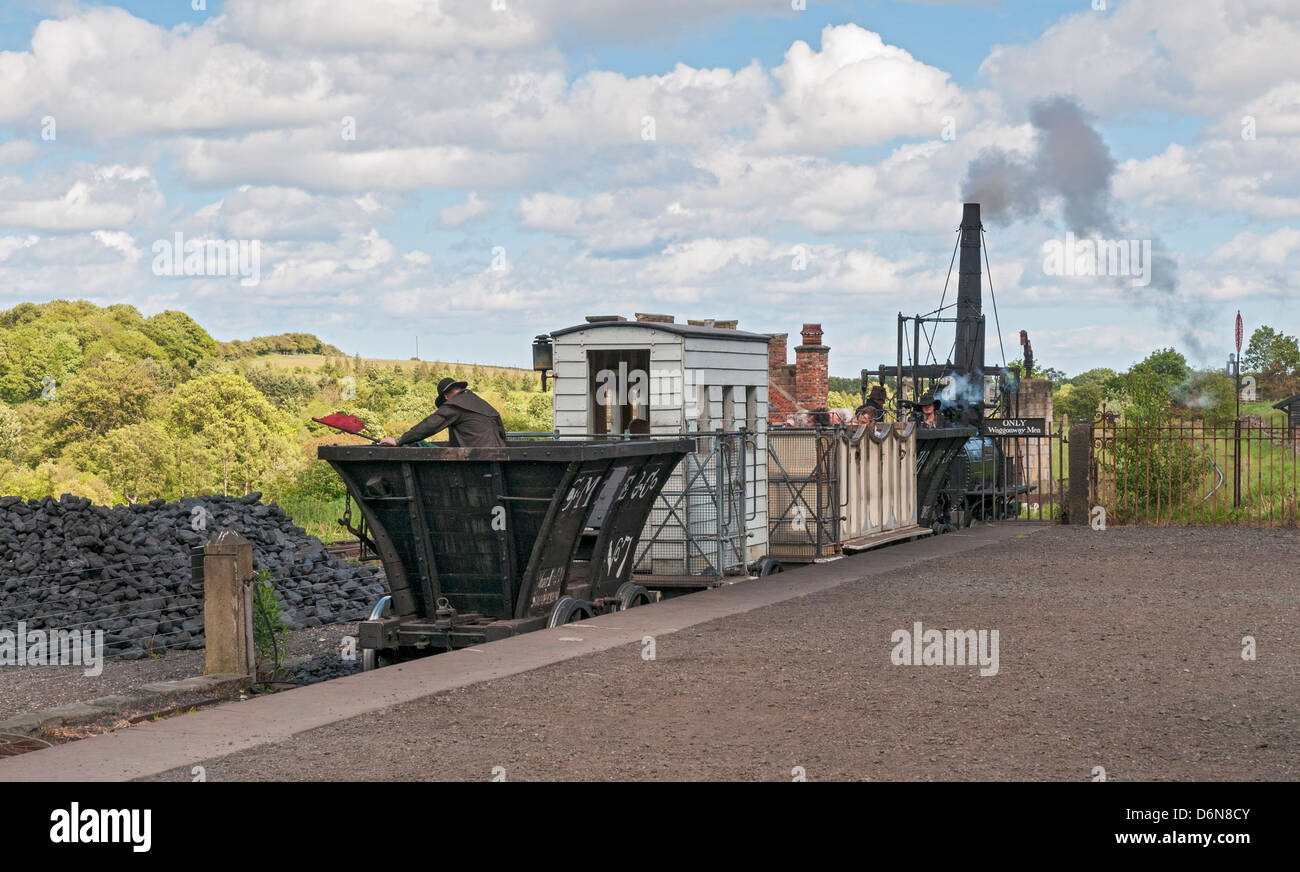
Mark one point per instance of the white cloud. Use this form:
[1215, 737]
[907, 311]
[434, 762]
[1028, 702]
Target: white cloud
[82, 197]
[473, 207]
[18, 151]
[1194, 56]
[857, 90]
[1273, 249]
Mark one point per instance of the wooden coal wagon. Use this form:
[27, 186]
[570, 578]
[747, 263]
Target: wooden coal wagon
[484, 543]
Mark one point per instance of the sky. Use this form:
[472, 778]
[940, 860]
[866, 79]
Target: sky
[476, 172]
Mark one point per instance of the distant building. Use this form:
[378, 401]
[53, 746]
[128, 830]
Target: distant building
[1291, 405]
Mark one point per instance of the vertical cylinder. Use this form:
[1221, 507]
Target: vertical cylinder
[969, 351]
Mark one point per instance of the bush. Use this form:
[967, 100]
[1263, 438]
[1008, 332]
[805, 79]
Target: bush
[1079, 402]
[1155, 473]
[270, 630]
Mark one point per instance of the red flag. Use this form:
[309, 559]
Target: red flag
[1240, 331]
[340, 421]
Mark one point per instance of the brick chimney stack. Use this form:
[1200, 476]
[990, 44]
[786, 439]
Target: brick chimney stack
[811, 379]
[780, 380]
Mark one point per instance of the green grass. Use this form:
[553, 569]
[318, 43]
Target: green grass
[319, 518]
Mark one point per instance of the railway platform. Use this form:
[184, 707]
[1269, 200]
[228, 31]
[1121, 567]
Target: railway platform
[1117, 651]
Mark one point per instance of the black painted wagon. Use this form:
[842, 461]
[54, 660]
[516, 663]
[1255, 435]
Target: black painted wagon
[483, 543]
[940, 494]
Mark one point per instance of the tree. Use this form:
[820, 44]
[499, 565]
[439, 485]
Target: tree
[1147, 388]
[136, 461]
[1080, 402]
[180, 337]
[11, 433]
[100, 398]
[1098, 376]
[1271, 350]
[231, 433]
[34, 362]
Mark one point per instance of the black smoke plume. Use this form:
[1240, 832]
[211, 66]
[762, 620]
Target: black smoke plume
[1071, 161]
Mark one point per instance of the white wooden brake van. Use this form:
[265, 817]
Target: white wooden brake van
[655, 376]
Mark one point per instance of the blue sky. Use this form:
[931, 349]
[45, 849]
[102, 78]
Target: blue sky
[521, 130]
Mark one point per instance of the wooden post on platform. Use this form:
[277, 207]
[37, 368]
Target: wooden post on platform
[227, 604]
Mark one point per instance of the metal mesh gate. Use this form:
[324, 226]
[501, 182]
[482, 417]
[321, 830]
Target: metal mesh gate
[803, 501]
[697, 527]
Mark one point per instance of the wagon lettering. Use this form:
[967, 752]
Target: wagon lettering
[616, 556]
[644, 483]
[580, 493]
[547, 589]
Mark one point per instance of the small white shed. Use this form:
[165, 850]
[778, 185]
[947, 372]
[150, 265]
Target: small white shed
[659, 377]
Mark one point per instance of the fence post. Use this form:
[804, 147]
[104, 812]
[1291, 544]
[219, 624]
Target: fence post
[227, 604]
[1080, 459]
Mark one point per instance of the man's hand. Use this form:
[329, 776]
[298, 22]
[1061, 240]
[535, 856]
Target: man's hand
[388, 440]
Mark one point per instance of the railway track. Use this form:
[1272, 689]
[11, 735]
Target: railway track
[347, 549]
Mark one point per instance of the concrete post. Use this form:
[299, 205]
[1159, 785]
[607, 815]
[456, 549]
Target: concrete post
[227, 604]
[1080, 473]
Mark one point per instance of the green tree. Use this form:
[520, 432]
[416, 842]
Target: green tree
[1098, 377]
[180, 337]
[1147, 389]
[231, 433]
[52, 479]
[35, 362]
[1271, 350]
[100, 398]
[1080, 402]
[11, 433]
[136, 461]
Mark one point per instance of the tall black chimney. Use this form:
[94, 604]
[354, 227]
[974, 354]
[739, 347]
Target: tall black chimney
[969, 351]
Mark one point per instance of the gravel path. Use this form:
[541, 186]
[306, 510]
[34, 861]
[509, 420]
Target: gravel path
[1118, 649]
[34, 689]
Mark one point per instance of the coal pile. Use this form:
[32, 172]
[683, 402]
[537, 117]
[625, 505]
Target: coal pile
[68, 564]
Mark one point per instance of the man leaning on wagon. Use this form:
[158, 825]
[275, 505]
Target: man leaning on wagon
[470, 420]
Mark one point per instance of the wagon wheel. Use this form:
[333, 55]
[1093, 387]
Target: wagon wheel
[769, 566]
[631, 595]
[376, 658]
[568, 610]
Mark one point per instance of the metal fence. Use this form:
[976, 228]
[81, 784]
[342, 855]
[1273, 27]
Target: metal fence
[803, 499]
[698, 531]
[1015, 478]
[1192, 473]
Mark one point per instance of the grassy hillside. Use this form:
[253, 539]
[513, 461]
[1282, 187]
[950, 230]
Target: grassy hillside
[108, 404]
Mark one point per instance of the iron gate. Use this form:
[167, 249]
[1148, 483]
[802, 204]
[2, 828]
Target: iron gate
[1012, 478]
[1195, 472]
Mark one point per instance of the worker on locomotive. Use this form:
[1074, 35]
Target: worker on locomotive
[926, 411]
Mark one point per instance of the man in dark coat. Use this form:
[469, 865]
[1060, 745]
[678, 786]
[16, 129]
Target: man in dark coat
[470, 421]
[926, 411]
[875, 401]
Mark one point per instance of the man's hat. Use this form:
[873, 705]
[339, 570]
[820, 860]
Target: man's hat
[928, 400]
[445, 385]
[877, 393]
